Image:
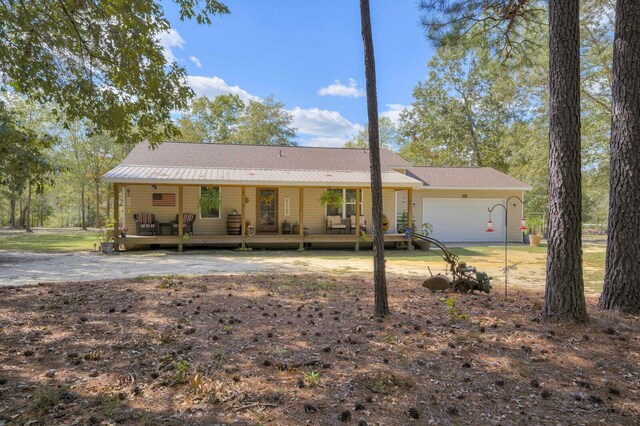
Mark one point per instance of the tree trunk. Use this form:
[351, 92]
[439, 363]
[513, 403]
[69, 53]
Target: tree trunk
[564, 291]
[379, 276]
[12, 212]
[27, 215]
[98, 205]
[83, 209]
[622, 272]
[109, 202]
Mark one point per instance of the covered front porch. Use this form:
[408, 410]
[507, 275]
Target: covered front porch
[249, 216]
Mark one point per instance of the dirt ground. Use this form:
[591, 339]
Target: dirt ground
[304, 349]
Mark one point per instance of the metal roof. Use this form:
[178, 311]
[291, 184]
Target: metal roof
[125, 173]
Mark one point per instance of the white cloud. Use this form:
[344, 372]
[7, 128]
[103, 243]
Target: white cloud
[196, 61]
[339, 89]
[323, 127]
[214, 86]
[169, 40]
[393, 112]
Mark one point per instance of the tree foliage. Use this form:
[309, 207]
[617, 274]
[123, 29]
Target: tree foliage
[461, 112]
[507, 24]
[100, 60]
[388, 135]
[228, 119]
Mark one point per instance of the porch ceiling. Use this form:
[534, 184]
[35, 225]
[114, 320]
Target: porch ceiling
[228, 176]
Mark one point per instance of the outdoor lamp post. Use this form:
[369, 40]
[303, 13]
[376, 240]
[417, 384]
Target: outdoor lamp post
[506, 221]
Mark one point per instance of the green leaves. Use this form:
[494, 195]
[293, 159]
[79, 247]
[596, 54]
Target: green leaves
[99, 60]
[227, 119]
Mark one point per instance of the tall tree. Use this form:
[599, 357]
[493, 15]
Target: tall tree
[24, 161]
[387, 133]
[622, 272]
[265, 122]
[564, 290]
[509, 25]
[462, 112]
[212, 121]
[379, 276]
[99, 59]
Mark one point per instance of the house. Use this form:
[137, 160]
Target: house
[269, 195]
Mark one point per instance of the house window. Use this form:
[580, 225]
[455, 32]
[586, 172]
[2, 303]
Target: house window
[208, 211]
[348, 206]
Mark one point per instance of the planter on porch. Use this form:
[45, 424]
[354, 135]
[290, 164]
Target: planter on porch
[234, 224]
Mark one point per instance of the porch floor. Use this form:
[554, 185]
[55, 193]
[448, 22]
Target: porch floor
[134, 240]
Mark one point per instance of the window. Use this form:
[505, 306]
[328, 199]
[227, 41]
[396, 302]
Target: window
[209, 202]
[348, 206]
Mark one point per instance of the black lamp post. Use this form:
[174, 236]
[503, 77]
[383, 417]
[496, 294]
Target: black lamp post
[506, 222]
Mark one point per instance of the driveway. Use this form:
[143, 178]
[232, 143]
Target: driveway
[23, 268]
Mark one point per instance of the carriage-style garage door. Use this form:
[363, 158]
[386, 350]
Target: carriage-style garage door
[463, 219]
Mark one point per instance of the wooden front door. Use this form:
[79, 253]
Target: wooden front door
[267, 210]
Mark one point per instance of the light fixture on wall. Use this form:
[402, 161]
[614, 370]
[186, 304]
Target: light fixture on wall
[246, 200]
[154, 187]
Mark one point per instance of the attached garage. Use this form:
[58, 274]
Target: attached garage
[454, 200]
[463, 219]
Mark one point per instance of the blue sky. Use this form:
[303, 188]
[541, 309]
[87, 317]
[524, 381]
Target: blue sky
[308, 54]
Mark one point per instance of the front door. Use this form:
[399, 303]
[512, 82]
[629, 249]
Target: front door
[267, 210]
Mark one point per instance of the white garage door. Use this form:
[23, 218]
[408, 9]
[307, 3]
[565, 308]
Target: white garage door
[463, 219]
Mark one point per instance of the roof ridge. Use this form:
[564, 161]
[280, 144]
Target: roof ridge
[272, 146]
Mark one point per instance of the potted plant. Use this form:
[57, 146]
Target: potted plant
[427, 228]
[535, 228]
[209, 199]
[332, 198]
[106, 235]
[123, 231]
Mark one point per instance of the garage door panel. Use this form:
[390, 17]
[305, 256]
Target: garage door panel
[463, 220]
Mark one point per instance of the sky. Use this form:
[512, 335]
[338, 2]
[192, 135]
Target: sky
[307, 54]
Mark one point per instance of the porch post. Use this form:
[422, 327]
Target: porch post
[243, 211]
[180, 219]
[357, 219]
[409, 209]
[116, 210]
[301, 214]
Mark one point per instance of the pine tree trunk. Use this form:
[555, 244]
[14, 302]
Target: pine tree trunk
[379, 276]
[564, 291]
[622, 272]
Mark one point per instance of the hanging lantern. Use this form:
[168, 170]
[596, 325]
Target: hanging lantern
[489, 225]
[523, 224]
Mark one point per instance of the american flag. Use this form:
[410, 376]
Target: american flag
[164, 200]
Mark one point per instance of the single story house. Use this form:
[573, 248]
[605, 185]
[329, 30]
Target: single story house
[271, 195]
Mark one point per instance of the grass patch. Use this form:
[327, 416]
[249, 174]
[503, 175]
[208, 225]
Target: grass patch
[49, 242]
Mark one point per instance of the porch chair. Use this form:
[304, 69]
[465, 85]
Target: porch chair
[146, 222]
[354, 228]
[187, 223]
[336, 223]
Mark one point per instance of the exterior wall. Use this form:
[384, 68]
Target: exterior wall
[139, 200]
[515, 212]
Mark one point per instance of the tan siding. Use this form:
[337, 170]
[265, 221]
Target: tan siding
[314, 212]
[293, 196]
[515, 212]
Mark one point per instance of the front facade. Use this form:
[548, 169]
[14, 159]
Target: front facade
[271, 196]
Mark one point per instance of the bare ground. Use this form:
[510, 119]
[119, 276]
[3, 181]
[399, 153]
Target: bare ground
[290, 350]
